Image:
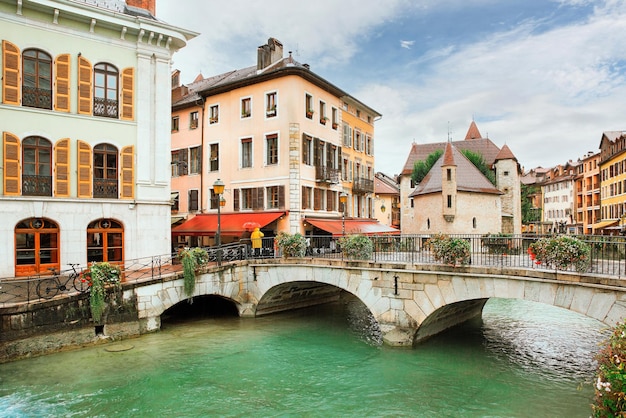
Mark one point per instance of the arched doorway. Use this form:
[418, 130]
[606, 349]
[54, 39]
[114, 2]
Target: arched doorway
[36, 246]
[105, 241]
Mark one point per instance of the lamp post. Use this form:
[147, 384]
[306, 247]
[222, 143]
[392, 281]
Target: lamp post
[218, 189]
[343, 198]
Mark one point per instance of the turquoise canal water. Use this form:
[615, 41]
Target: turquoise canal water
[522, 360]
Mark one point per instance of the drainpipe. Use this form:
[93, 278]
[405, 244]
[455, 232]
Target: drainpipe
[200, 102]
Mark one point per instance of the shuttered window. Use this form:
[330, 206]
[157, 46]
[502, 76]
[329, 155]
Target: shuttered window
[62, 168]
[10, 73]
[62, 83]
[11, 178]
[128, 93]
[84, 86]
[36, 79]
[84, 169]
[128, 172]
[105, 94]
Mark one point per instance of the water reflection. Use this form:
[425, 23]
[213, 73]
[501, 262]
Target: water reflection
[521, 360]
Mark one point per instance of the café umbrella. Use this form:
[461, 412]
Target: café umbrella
[250, 225]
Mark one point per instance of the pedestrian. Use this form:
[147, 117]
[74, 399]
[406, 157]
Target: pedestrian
[255, 237]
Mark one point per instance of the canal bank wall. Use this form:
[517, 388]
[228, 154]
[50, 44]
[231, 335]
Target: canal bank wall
[34, 329]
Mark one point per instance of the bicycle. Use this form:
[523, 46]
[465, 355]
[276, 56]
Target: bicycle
[50, 287]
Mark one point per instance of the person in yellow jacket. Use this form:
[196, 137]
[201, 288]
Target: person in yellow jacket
[255, 237]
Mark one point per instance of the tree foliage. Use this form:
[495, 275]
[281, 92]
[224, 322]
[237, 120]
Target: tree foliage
[421, 168]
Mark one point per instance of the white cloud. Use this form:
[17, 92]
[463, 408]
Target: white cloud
[406, 44]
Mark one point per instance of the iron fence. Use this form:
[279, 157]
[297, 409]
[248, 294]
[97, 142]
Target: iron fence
[608, 258]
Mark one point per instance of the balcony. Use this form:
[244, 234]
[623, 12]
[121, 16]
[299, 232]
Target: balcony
[327, 174]
[35, 97]
[105, 188]
[36, 185]
[105, 107]
[362, 185]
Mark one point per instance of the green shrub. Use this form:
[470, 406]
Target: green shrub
[452, 251]
[192, 259]
[561, 252]
[356, 247]
[610, 399]
[291, 245]
[104, 279]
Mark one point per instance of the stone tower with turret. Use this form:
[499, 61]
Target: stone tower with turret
[508, 176]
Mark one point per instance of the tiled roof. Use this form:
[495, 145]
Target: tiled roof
[505, 154]
[468, 177]
[120, 6]
[383, 187]
[448, 155]
[473, 132]
[482, 146]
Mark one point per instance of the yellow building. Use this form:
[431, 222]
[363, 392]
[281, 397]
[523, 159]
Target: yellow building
[274, 134]
[612, 182]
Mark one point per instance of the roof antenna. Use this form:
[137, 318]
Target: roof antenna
[449, 136]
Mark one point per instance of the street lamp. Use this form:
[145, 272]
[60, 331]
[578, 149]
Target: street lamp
[343, 198]
[218, 190]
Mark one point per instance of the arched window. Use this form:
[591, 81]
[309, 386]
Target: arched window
[36, 79]
[36, 167]
[105, 90]
[36, 246]
[105, 241]
[474, 223]
[105, 171]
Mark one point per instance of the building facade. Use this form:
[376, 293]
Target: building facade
[84, 114]
[421, 210]
[612, 182]
[287, 144]
[588, 193]
[558, 199]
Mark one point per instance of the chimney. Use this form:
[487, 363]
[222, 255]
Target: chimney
[149, 5]
[269, 53]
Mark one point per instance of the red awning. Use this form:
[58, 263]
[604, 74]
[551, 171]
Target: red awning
[205, 224]
[352, 226]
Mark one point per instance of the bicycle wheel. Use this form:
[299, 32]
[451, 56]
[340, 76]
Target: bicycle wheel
[48, 288]
[80, 283]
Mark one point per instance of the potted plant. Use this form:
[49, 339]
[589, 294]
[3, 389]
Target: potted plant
[451, 251]
[335, 125]
[271, 111]
[323, 120]
[356, 247]
[309, 113]
[291, 245]
[561, 252]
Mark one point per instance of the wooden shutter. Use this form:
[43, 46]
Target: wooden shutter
[62, 83]
[128, 93]
[10, 73]
[85, 91]
[11, 180]
[235, 200]
[84, 169]
[62, 168]
[127, 172]
[257, 198]
[281, 197]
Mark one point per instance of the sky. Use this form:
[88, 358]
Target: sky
[544, 77]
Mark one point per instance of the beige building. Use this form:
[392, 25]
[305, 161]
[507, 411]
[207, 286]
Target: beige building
[450, 206]
[287, 144]
[455, 197]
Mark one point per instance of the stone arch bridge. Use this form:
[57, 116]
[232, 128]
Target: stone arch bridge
[410, 302]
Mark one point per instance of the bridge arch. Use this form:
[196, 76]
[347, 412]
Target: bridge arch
[409, 302]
